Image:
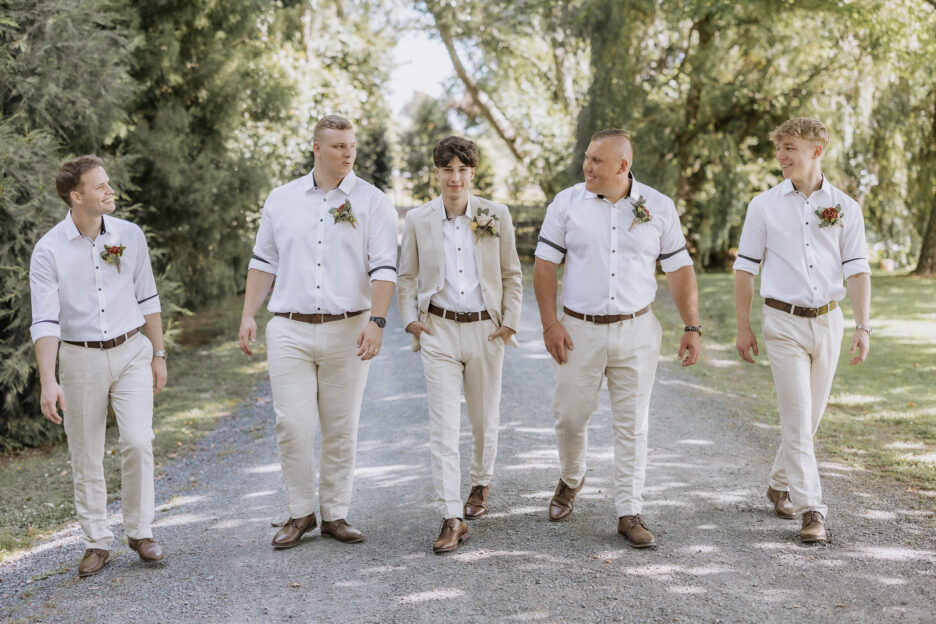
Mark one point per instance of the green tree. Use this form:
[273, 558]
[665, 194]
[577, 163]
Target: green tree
[428, 124]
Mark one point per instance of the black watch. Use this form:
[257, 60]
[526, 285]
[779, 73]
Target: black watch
[696, 328]
[381, 321]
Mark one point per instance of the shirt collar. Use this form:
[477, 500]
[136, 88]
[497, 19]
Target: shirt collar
[633, 192]
[346, 185]
[468, 212]
[71, 230]
[787, 186]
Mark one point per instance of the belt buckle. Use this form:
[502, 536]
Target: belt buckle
[461, 317]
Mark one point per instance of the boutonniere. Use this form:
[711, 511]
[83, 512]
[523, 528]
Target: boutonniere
[484, 224]
[641, 214]
[830, 216]
[112, 252]
[343, 213]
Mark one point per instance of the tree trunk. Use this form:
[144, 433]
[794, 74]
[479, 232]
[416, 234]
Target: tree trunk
[926, 265]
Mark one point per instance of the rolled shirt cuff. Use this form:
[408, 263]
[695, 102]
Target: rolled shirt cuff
[549, 253]
[676, 261]
[384, 274]
[45, 328]
[262, 265]
[150, 306]
[745, 264]
[856, 266]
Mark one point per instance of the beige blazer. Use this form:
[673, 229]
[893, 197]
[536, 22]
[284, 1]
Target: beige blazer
[422, 266]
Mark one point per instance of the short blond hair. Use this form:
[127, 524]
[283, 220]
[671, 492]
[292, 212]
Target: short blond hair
[331, 122]
[802, 128]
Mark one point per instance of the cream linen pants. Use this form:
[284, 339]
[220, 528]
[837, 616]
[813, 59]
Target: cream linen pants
[803, 354]
[123, 376]
[460, 355]
[626, 353]
[317, 377]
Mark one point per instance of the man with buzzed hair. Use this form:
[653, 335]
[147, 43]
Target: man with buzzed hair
[611, 232]
[329, 241]
[459, 296]
[807, 236]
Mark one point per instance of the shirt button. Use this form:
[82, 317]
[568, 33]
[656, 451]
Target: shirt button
[319, 264]
[97, 267]
[810, 266]
[102, 309]
[463, 292]
[612, 298]
[99, 289]
[320, 242]
[613, 251]
[807, 244]
[318, 286]
[459, 249]
[612, 275]
[320, 220]
[459, 270]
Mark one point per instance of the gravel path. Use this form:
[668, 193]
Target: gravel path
[723, 557]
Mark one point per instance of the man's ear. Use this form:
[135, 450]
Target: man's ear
[624, 166]
[818, 151]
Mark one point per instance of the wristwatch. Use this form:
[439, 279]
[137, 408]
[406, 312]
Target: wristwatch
[161, 354]
[379, 320]
[695, 328]
[867, 328]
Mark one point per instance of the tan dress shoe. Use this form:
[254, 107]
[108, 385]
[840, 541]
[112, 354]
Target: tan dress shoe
[476, 505]
[342, 531]
[454, 532]
[560, 507]
[813, 531]
[147, 548]
[293, 530]
[636, 532]
[782, 505]
[92, 562]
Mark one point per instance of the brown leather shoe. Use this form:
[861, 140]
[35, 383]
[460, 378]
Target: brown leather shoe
[292, 531]
[454, 532]
[147, 548]
[782, 505]
[342, 531]
[560, 507]
[636, 532]
[92, 562]
[813, 530]
[476, 505]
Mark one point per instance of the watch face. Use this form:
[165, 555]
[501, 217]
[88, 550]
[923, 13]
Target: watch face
[381, 321]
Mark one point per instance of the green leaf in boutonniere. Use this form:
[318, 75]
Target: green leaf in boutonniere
[484, 224]
[641, 214]
[343, 214]
[830, 216]
[112, 253]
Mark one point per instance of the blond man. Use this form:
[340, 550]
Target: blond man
[805, 236]
[459, 296]
[92, 290]
[329, 241]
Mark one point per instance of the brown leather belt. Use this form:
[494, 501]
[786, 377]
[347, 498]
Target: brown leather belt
[459, 317]
[604, 319]
[315, 319]
[105, 344]
[800, 310]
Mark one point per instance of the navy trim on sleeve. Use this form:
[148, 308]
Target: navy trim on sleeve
[37, 322]
[372, 271]
[672, 253]
[852, 260]
[553, 245]
[256, 257]
[751, 259]
[148, 298]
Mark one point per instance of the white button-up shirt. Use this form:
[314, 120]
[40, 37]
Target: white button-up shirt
[323, 267]
[803, 263]
[79, 296]
[462, 290]
[609, 265]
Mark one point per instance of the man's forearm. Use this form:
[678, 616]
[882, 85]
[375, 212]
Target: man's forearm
[46, 352]
[381, 294]
[545, 287]
[258, 286]
[859, 293]
[744, 295]
[685, 292]
[152, 327]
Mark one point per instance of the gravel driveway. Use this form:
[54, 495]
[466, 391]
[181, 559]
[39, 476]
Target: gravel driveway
[722, 556]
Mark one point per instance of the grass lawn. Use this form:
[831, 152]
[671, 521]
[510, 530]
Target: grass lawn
[208, 376]
[881, 415]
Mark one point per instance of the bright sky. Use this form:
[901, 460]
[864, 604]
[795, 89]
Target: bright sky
[422, 65]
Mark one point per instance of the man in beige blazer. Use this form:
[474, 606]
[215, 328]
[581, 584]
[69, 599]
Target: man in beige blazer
[459, 294]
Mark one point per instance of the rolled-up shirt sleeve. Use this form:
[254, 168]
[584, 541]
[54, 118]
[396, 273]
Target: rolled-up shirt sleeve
[265, 254]
[44, 294]
[550, 245]
[382, 242]
[854, 249]
[144, 284]
[673, 252]
[753, 241]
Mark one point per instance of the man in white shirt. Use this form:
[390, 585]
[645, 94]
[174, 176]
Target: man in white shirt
[807, 235]
[611, 230]
[92, 288]
[329, 240]
[460, 291]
